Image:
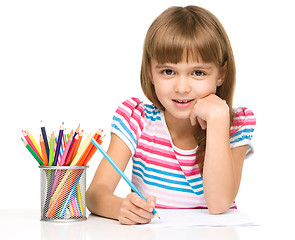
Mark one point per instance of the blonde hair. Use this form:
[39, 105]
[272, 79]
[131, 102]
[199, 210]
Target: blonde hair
[196, 34]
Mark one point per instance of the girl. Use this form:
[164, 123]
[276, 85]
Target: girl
[188, 147]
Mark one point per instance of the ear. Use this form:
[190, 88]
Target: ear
[222, 73]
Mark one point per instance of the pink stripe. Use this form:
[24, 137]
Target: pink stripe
[164, 195]
[243, 122]
[156, 162]
[243, 111]
[154, 139]
[123, 113]
[192, 172]
[155, 150]
[131, 105]
[187, 163]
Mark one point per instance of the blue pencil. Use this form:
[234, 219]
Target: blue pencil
[120, 172]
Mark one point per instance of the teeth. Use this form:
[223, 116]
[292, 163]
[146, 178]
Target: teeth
[184, 101]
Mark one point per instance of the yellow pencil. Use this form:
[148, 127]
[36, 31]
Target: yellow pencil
[34, 143]
[80, 151]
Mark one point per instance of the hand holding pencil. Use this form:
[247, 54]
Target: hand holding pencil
[122, 174]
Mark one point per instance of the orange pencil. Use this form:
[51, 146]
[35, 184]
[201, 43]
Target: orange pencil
[93, 150]
[43, 151]
[87, 149]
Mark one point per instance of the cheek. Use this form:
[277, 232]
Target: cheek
[204, 89]
[161, 89]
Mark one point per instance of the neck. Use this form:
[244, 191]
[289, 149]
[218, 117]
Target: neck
[181, 132]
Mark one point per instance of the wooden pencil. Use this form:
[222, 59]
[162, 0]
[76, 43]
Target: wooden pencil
[29, 141]
[87, 149]
[67, 148]
[32, 152]
[77, 145]
[44, 135]
[93, 150]
[71, 151]
[80, 151]
[35, 144]
[61, 130]
[51, 152]
[43, 151]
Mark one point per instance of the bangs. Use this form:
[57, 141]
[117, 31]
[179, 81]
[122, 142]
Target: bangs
[185, 37]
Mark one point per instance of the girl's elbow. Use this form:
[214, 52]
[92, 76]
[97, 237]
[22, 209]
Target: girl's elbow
[216, 211]
[218, 207]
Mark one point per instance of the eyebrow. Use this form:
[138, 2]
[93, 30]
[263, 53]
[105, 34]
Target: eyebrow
[205, 67]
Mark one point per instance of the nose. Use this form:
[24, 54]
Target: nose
[182, 85]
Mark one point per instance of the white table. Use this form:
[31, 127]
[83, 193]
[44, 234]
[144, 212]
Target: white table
[26, 224]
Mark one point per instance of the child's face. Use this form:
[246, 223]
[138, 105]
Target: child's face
[179, 86]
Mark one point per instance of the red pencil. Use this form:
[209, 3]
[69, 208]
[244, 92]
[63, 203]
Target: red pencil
[73, 146]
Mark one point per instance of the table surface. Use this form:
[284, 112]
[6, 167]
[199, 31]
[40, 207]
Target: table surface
[26, 224]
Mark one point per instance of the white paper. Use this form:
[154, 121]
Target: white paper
[197, 217]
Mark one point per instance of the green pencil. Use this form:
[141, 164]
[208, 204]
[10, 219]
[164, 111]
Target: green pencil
[51, 152]
[32, 152]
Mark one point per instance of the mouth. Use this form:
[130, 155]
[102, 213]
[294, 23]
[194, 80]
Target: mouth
[182, 100]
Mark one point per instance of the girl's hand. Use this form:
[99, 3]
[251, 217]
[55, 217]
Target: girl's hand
[135, 210]
[209, 108]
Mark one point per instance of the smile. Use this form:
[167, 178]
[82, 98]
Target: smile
[182, 101]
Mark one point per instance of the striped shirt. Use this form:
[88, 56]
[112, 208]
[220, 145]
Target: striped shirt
[161, 169]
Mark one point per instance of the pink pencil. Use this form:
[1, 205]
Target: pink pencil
[67, 148]
[31, 144]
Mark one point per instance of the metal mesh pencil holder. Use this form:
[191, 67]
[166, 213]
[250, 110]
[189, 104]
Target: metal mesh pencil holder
[63, 193]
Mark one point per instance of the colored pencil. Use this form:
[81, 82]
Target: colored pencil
[67, 148]
[43, 151]
[77, 131]
[71, 151]
[122, 174]
[58, 144]
[32, 152]
[93, 150]
[51, 153]
[77, 145]
[87, 149]
[35, 144]
[29, 141]
[61, 192]
[44, 135]
[86, 140]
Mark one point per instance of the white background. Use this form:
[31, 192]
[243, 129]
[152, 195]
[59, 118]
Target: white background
[75, 61]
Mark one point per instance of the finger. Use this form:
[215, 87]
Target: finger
[202, 123]
[193, 119]
[140, 203]
[152, 201]
[133, 213]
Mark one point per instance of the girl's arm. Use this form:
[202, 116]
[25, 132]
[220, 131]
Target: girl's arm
[100, 199]
[222, 169]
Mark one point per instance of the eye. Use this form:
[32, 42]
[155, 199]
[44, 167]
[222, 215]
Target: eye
[168, 72]
[198, 73]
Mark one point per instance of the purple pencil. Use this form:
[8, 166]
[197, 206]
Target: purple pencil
[58, 144]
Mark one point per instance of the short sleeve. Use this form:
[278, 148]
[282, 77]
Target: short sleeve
[242, 128]
[128, 122]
